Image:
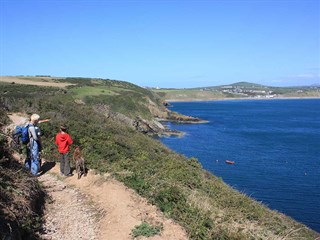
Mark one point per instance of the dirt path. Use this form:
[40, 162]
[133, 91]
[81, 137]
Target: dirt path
[69, 213]
[97, 207]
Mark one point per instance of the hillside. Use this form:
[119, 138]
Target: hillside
[202, 203]
[132, 105]
[238, 90]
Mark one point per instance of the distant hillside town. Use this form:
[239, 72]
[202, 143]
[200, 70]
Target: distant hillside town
[244, 89]
[239, 90]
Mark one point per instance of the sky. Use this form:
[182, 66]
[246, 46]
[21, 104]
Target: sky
[164, 43]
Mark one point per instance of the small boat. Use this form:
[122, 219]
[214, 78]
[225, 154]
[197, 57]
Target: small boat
[229, 162]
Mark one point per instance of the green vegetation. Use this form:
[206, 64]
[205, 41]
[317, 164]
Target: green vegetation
[202, 203]
[21, 197]
[92, 91]
[188, 94]
[146, 230]
[121, 97]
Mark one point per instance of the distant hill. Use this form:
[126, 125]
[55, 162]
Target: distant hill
[240, 84]
[239, 90]
[247, 84]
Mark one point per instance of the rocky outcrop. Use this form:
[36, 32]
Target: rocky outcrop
[154, 127]
[163, 114]
[179, 118]
[150, 127]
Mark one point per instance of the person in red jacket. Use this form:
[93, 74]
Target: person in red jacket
[63, 140]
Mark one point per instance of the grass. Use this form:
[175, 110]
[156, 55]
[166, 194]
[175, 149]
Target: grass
[97, 90]
[122, 97]
[83, 92]
[41, 81]
[145, 230]
[185, 94]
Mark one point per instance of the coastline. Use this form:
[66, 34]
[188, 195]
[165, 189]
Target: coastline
[229, 99]
[200, 121]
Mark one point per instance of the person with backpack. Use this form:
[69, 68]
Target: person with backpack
[35, 144]
[63, 140]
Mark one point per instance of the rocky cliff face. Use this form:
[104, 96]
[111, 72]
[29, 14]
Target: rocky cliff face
[162, 113]
[154, 127]
[150, 126]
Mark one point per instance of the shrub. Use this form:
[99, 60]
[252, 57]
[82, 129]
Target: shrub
[146, 230]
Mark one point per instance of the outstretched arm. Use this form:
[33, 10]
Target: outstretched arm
[44, 120]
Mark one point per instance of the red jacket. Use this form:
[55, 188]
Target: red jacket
[63, 140]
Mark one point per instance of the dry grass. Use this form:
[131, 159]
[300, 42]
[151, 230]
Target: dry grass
[37, 81]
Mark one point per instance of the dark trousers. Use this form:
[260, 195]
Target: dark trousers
[64, 164]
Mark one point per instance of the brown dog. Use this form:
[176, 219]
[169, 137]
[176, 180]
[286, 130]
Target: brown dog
[79, 162]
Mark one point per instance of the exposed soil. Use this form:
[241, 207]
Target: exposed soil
[96, 207]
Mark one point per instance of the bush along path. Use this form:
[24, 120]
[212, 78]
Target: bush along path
[98, 207]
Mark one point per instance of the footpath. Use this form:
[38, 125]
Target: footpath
[97, 207]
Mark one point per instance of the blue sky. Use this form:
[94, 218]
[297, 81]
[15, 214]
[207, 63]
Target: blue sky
[177, 43]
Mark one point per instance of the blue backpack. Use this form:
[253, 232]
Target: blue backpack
[21, 133]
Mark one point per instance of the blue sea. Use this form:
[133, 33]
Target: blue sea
[275, 145]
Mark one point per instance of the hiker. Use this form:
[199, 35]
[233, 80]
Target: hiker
[35, 144]
[63, 140]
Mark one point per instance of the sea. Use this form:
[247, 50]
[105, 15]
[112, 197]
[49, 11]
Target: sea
[274, 144]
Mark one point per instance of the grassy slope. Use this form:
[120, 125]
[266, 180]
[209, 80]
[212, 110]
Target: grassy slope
[120, 96]
[202, 203]
[188, 94]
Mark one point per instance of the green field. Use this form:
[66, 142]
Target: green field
[83, 92]
[188, 94]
